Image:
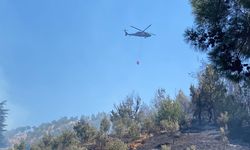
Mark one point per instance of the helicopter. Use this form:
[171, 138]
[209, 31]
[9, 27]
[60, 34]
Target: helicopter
[140, 33]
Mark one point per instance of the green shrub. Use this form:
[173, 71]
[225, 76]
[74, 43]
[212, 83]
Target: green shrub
[148, 125]
[20, 146]
[105, 125]
[84, 131]
[169, 110]
[134, 131]
[119, 128]
[170, 126]
[116, 144]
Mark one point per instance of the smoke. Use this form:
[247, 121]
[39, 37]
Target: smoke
[17, 116]
[16, 113]
[3, 86]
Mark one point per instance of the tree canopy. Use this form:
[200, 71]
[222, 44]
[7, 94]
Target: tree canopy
[210, 90]
[222, 30]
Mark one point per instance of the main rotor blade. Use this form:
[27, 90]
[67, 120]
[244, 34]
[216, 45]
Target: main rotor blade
[147, 28]
[136, 28]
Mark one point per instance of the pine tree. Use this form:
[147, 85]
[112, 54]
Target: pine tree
[105, 125]
[210, 90]
[125, 114]
[184, 102]
[3, 114]
[222, 30]
[84, 131]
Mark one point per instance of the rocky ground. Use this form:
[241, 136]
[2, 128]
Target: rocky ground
[204, 139]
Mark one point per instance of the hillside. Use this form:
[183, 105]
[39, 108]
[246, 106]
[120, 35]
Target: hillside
[33, 134]
[204, 139]
[178, 123]
[54, 128]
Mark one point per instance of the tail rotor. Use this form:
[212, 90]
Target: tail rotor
[126, 33]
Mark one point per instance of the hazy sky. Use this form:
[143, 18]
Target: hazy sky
[70, 58]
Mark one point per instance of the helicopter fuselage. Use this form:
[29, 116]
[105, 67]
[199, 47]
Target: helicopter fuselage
[140, 34]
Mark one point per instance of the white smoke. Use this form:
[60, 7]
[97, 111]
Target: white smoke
[16, 113]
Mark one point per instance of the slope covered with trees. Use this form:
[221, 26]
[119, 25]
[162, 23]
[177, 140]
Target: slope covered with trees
[215, 107]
